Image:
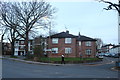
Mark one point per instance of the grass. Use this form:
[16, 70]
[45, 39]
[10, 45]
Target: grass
[13, 57]
[68, 59]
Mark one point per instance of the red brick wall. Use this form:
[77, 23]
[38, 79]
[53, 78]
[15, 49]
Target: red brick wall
[82, 49]
[61, 48]
[76, 49]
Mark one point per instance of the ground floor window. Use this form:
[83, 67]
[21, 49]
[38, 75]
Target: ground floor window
[68, 50]
[54, 50]
[88, 51]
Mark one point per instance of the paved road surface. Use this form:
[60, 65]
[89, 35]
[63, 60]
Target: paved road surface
[15, 69]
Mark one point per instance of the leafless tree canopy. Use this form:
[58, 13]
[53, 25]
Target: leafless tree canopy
[112, 6]
[22, 17]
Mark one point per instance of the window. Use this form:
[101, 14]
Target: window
[21, 47]
[88, 51]
[79, 43]
[54, 50]
[68, 50]
[68, 40]
[55, 40]
[22, 42]
[88, 43]
[31, 43]
[31, 47]
[16, 41]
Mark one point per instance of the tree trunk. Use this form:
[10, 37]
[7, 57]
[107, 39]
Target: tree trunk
[119, 25]
[26, 44]
[12, 47]
[2, 45]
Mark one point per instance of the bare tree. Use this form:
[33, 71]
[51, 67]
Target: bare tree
[99, 44]
[28, 16]
[9, 22]
[114, 6]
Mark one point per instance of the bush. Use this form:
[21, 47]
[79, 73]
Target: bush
[13, 57]
[29, 56]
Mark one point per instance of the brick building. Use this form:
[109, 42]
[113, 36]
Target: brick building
[71, 45]
[6, 48]
[106, 48]
[20, 47]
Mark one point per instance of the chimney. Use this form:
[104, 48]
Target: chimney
[67, 31]
[79, 35]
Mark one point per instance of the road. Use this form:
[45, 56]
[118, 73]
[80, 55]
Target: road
[15, 69]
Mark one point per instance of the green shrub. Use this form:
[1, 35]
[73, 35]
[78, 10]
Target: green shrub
[13, 57]
[29, 56]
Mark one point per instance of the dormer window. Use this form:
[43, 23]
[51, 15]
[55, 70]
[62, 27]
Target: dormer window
[68, 40]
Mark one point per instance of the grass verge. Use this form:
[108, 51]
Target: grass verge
[68, 59]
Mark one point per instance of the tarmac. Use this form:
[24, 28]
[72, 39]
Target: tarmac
[21, 59]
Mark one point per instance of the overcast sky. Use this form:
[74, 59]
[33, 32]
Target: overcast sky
[89, 18]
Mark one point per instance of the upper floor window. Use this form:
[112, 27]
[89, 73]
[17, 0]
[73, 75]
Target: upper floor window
[55, 40]
[22, 42]
[54, 50]
[88, 51]
[88, 43]
[16, 41]
[68, 40]
[31, 43]
[68, 50]
[79, 43]
[22, 47]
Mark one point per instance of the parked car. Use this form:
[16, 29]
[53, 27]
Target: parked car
[99, 55]
[116, 56]
[109, 54]
[106, 54]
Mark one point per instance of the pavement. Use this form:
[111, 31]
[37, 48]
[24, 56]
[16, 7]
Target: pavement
[21, 59]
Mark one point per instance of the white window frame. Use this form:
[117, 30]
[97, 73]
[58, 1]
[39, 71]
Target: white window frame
[88, 43]
[22, 42]
[16, 42]
[68, 40]
[22, 47]
[68, 50]
[55, 49]
[88, 51]
[55, 40]
[79, 43]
